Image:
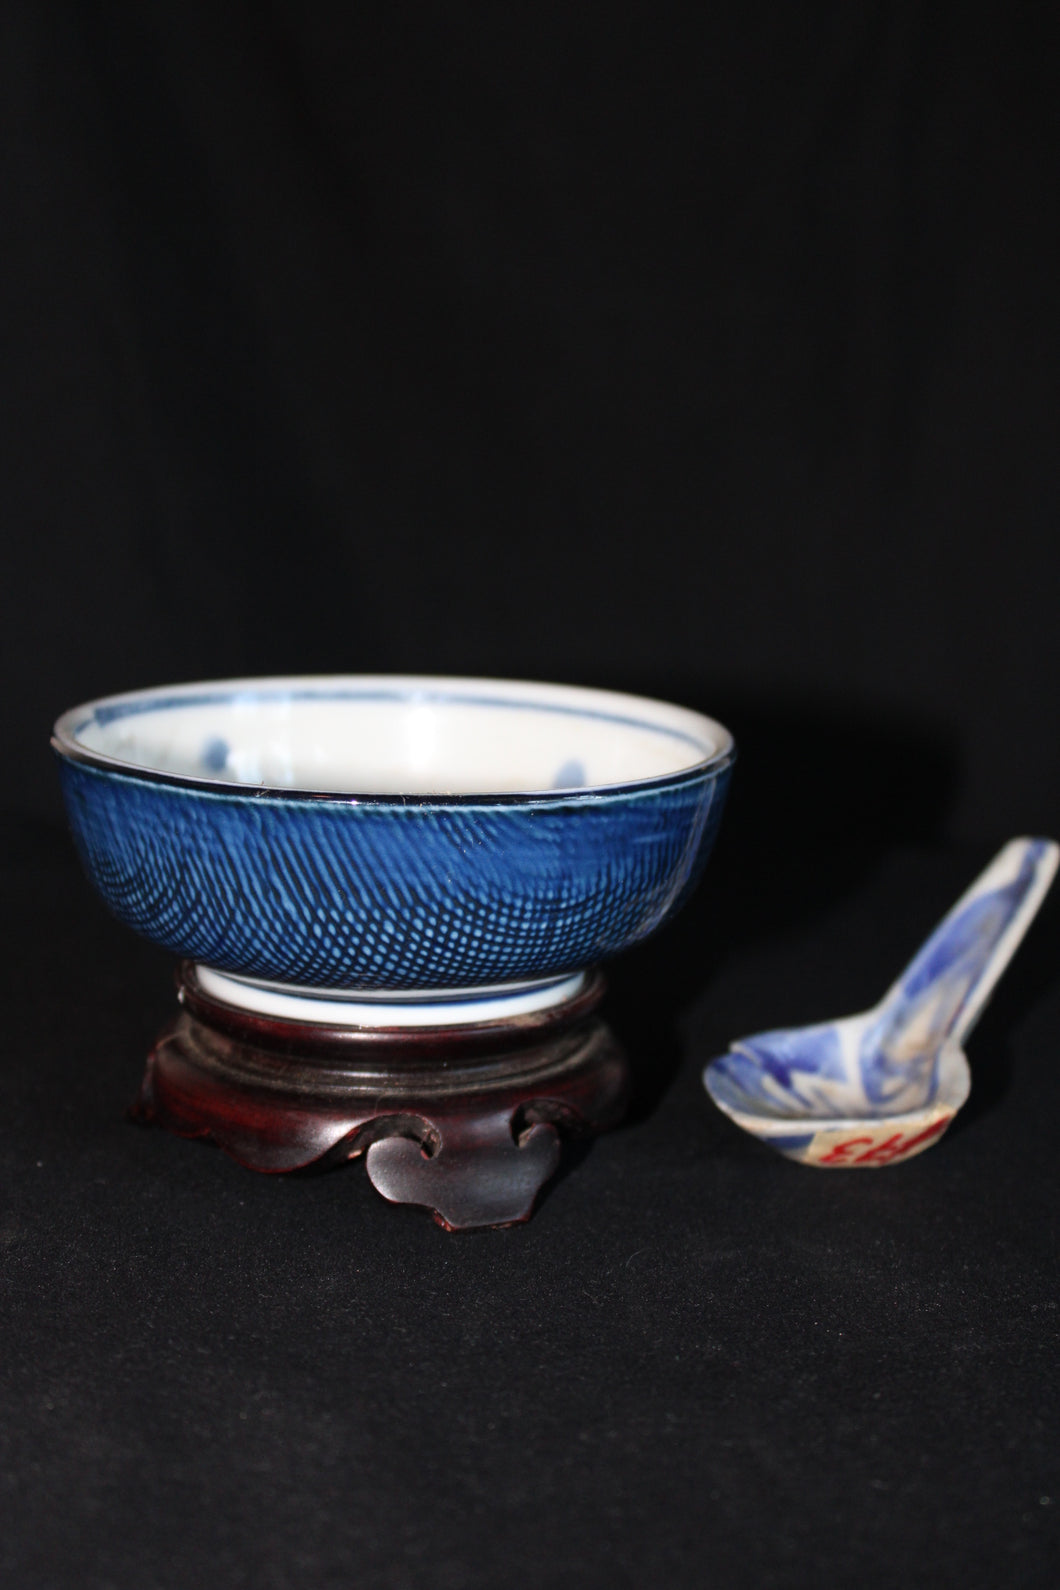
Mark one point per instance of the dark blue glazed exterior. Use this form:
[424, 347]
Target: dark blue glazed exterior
[390, 894]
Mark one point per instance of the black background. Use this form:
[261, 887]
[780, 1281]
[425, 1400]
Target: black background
[704, 351]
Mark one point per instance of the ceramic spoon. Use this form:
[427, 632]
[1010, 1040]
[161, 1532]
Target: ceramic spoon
[879, 1087]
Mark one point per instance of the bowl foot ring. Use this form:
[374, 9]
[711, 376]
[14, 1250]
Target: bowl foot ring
[466, 1121]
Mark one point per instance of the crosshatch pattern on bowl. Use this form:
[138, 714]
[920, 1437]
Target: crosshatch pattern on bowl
[383, 895]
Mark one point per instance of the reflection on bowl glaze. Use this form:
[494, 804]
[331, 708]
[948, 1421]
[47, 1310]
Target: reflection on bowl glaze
[392, 833]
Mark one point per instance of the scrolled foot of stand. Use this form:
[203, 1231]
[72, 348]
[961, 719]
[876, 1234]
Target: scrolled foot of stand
[475, 1177]
[467, 1121]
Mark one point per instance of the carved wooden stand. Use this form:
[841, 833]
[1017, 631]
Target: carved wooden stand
[465, 1120]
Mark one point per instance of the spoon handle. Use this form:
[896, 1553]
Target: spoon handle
[942, 991]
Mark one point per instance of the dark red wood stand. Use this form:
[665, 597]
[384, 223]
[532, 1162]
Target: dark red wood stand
[465, 1120]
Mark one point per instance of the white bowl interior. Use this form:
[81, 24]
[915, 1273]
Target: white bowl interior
[395, 736]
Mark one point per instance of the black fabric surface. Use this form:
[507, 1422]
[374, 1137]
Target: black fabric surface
[697, 1365]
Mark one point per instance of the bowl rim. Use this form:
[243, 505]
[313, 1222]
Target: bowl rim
[575, 699]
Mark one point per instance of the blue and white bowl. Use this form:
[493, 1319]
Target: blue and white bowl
[376, 838]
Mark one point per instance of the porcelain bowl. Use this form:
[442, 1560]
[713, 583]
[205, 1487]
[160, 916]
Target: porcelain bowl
[391, 833]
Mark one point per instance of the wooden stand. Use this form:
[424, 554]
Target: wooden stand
[466, 1120]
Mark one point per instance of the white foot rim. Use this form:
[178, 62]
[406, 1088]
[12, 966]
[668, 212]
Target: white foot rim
[435, 1008]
